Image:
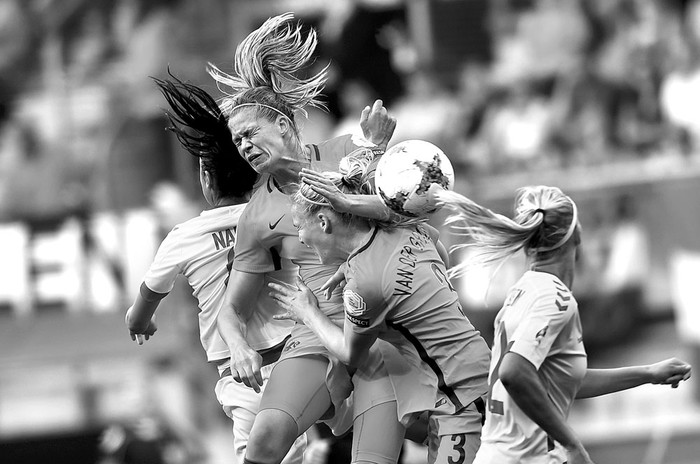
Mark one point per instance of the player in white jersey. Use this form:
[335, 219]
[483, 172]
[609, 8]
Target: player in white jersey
[396, 290]
[201, 249]
[539, 362]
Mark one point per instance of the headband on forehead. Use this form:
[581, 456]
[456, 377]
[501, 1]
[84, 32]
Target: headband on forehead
[569, 233]
[260, 104]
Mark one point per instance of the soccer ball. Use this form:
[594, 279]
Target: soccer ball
[407, 175]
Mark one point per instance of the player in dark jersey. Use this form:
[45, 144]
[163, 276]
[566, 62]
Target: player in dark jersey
[396, 290]
[539, 362]
[308, 383]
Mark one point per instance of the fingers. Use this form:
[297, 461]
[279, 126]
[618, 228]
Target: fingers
[378, 106]
[364, 116]
[139, 339]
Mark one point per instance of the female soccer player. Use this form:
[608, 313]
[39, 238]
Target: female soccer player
[539, 362]
[308, 383]
[396, 290]
[201, 249]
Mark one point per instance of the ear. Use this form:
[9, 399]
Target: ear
[283, 125]
[324, 221]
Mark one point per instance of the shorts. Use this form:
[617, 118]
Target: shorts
[455, 438]
[304, 343]
[241, 404]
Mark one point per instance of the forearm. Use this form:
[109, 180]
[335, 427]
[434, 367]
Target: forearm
[231, 327]
[140, 313]
[369, 206]
[330, 335]
[603, 381]
[525, 387]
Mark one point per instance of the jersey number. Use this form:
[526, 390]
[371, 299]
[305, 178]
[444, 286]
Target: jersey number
[442, 278]
[496, 406]
[459, 439]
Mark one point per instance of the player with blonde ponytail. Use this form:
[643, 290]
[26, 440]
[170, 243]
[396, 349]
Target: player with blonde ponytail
[539, 364]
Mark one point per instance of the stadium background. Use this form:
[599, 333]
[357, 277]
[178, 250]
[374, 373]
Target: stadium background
[599, 97]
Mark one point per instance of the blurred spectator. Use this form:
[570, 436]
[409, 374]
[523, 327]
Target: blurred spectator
[680, 92]
[427, 111]
[354, 95]
[147, 440]
[518, 128]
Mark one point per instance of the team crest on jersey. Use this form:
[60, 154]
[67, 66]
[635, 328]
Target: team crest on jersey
[355, 307]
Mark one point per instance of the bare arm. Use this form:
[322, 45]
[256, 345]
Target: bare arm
[231, 324]
[369, 206]
[302, 306]
[139, 317]
[603, 381]
[520, 379]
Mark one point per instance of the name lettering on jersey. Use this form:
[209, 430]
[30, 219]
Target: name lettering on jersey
[223, 239]
[513, 296]
[563, 297]
[407, 261]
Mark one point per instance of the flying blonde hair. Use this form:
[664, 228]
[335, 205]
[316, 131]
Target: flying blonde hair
[545, 219]
[269, 59]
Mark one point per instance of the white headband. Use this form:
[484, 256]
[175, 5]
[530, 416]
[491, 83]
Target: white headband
[260, 104]
[569, 233]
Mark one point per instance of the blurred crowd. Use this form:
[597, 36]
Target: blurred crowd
[540, 84]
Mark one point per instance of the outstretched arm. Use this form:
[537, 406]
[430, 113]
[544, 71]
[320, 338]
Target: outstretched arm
[369, 206]
[139, 317]
[603, 381]
[231, 323]
[520, 379]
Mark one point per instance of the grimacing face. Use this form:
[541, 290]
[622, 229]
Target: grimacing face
[258, 140]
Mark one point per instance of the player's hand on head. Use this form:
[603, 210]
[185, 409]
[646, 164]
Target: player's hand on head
[336, 280]
[376, 124]
[670, 371]
[245, 367]
[299, 302]
[320, 184]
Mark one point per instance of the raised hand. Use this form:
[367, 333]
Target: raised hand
[376, 124]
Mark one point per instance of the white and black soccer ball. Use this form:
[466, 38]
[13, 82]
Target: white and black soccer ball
[408, 174]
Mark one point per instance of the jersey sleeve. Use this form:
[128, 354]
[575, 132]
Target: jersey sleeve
[542, 324]
[364, 303]
[166, 266]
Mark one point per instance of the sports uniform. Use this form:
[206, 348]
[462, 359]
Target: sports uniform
[540, 322]
[267, 232]
[408, 301]
[201, 249]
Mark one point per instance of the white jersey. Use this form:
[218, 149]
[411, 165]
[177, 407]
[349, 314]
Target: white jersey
[539, 321]
[201, 249]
